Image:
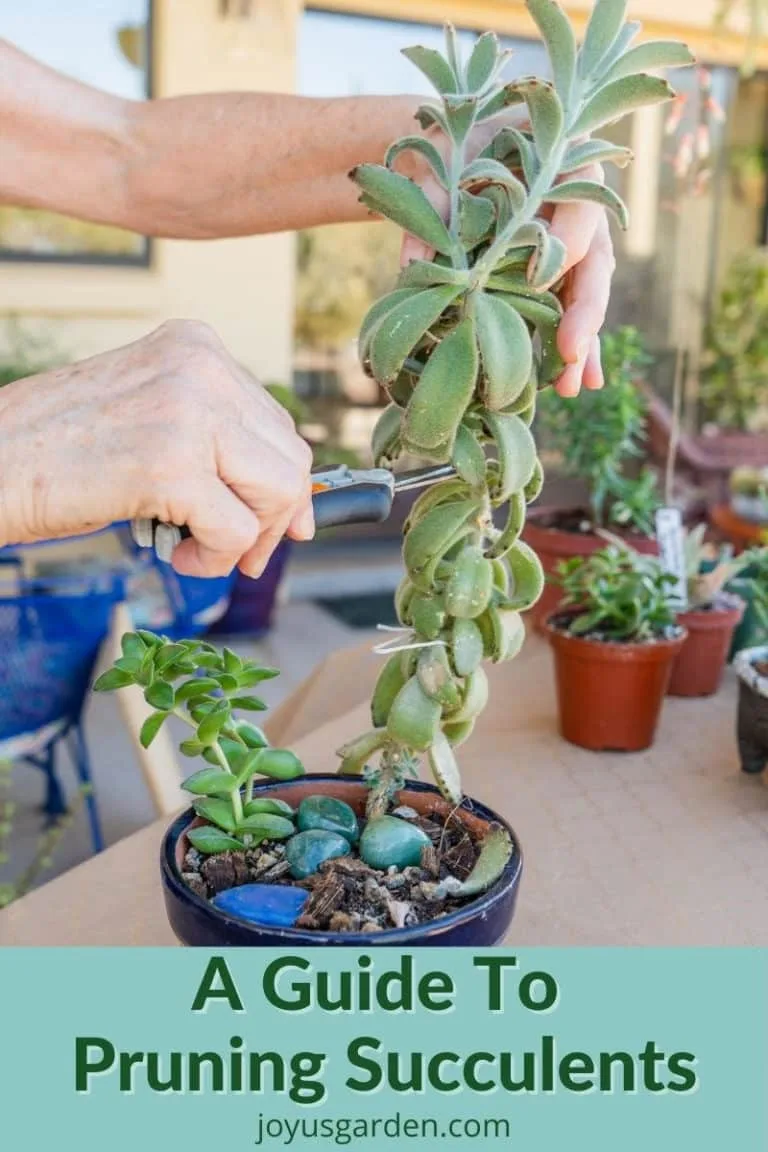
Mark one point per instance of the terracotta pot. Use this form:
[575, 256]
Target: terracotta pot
[610, 695]
[480, 923]
[699, 668]
[552, 545]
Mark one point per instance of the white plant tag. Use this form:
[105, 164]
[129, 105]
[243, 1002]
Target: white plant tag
[669, 532]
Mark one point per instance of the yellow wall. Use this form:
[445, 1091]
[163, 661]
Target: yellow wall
[243, 287]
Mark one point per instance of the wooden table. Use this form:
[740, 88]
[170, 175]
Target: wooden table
[666, 847]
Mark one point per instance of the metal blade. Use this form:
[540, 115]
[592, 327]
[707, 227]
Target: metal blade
[422, 477]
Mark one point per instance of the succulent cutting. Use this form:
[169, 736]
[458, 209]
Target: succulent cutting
[462, 347]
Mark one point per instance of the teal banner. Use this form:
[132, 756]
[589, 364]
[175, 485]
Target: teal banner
[527, 1050]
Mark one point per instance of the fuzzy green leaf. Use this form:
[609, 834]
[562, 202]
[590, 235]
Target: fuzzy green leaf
[576, 190]
[547, 262]
[434, 66]
[432, 115]
[505, 350]
[445, 770]
[615, 100]
[468, 458]
[620, 45]
[515, 452]
[424, 274]
[483, 61]
[461, 114]
[444, 390]
[477, 217]
[604, 26]
[404, 326]
[376, 312]
[210, 782]
[402, 201]
[113, 679]
[547, 116]
[648, 57]
[557, 33]
[211, 841]
[386, 440]
[595, 152]
[426, 149]
[217, 811]
[507, 97]
[488, 170]
[151, 727]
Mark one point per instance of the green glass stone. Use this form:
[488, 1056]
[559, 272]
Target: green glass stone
[325, 814]
[387, 841]
[306, 851]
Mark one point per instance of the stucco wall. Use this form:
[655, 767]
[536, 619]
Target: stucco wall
[243, 287]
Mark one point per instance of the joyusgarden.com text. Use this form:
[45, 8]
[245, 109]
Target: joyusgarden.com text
[367, 989]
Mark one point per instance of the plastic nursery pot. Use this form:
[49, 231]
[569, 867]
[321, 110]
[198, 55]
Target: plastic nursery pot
[609, 694]
[752, 723]
[480, 923]
[553, 545]
[698, 670]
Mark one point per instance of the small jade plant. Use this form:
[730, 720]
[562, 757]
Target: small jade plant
[618, 595]
[462, 347]
[205, 687]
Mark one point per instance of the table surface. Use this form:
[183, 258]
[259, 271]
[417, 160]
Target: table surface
[665, 847]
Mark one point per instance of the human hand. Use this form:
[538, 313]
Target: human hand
[583, 229]
[170, 427]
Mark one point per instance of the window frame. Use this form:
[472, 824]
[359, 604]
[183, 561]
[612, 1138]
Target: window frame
[144, 258]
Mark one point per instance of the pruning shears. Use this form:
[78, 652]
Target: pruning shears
[340, 496]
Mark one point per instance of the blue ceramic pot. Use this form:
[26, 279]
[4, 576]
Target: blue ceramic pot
[479, 924]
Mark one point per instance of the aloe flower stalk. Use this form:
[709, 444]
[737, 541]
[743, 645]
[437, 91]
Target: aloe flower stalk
[462, 346]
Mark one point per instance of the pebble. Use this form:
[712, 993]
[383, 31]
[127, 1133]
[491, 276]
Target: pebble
[306, 851]
[326, 814]
[405, 813]
[387, 841]
[269, 905]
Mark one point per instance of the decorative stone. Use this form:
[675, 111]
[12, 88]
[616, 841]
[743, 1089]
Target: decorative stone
[269, 905]
[326, 814]
[387, 841]
[306, 851]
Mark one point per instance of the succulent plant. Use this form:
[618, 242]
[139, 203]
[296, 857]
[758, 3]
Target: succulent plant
[462, 346]
[205, 687]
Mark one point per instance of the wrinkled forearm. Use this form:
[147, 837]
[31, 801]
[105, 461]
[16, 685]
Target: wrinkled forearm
[204, 166]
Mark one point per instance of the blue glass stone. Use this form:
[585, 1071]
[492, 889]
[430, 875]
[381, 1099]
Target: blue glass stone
[306, 851]
[387, 841]
[271, 905]
[327, 814]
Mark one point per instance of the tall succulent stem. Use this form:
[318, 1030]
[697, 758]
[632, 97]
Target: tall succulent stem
[462, 347]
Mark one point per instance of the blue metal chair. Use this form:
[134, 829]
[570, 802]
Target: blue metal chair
[51, 631]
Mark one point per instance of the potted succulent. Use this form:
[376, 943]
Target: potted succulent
[615, 640]
[710, 618]
[461, 348]
[752, 724]
[597, 436]
[751, 585]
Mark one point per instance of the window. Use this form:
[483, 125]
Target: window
[669, 263]
[101, 42]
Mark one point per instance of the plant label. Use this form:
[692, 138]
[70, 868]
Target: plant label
[671, 537]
